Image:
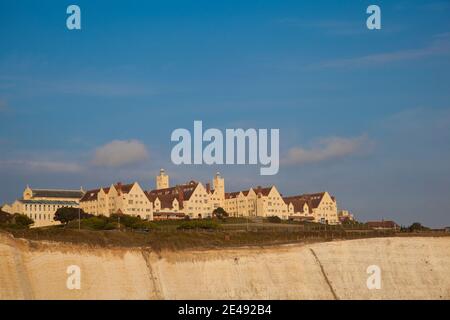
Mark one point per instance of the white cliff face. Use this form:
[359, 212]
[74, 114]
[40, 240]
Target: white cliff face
[411, 268]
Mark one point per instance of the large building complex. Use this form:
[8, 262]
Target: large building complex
[192, 199]
[118, 198]
[318, 207]
[254, 202]
[41, 204]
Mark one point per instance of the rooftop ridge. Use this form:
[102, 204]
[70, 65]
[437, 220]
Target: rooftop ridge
[39, 189]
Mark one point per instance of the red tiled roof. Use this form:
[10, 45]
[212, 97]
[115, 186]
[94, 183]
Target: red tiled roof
[313, 199]
[185, 190]
[264, 191]
[166, 196]
[93, 194]
[298, 203]
[151, 197]
[90, 195]
[231, 195]
[167, 200]
[123, 188]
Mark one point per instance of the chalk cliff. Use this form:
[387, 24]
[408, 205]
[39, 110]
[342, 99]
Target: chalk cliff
[411, 268]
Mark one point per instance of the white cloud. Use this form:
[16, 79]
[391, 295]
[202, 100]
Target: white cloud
[327, 149]
[439, 46]
[119, 153]
[42, 166]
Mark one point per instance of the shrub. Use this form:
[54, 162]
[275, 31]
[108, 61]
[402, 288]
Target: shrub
[144, 225]
[220, 213]
[274, 219]
[96, 223]
[199, 224]
[16, 221]
[170, 222]
[111, 226]
[417, 226]
[353, 224]
[126, 220]
[22, 220]
[5, 217]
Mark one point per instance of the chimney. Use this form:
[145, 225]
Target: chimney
[119, 187]
[208, 188]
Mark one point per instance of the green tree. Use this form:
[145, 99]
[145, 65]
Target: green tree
[220, 213]
[417, 226]
[274, 219]
[67, 214]
[22, 220]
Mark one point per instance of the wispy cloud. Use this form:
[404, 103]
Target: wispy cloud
[119, 153]
[439, 46]
[328, 149]
[42, 166]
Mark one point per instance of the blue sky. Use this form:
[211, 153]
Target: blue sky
[362, 114]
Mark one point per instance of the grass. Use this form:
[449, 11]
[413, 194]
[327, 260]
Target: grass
[184, 239]
[168, 235]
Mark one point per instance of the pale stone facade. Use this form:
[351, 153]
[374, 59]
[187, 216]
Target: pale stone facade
[127, 199]
[217, 195]
[42, 204]
[256, 202]
[192, 199]
[162, 180]
[241, 203]
[318, 207]
[196, 201]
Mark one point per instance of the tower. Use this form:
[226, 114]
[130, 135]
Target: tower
[219, 186]
[162, 180]
[27, 193]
